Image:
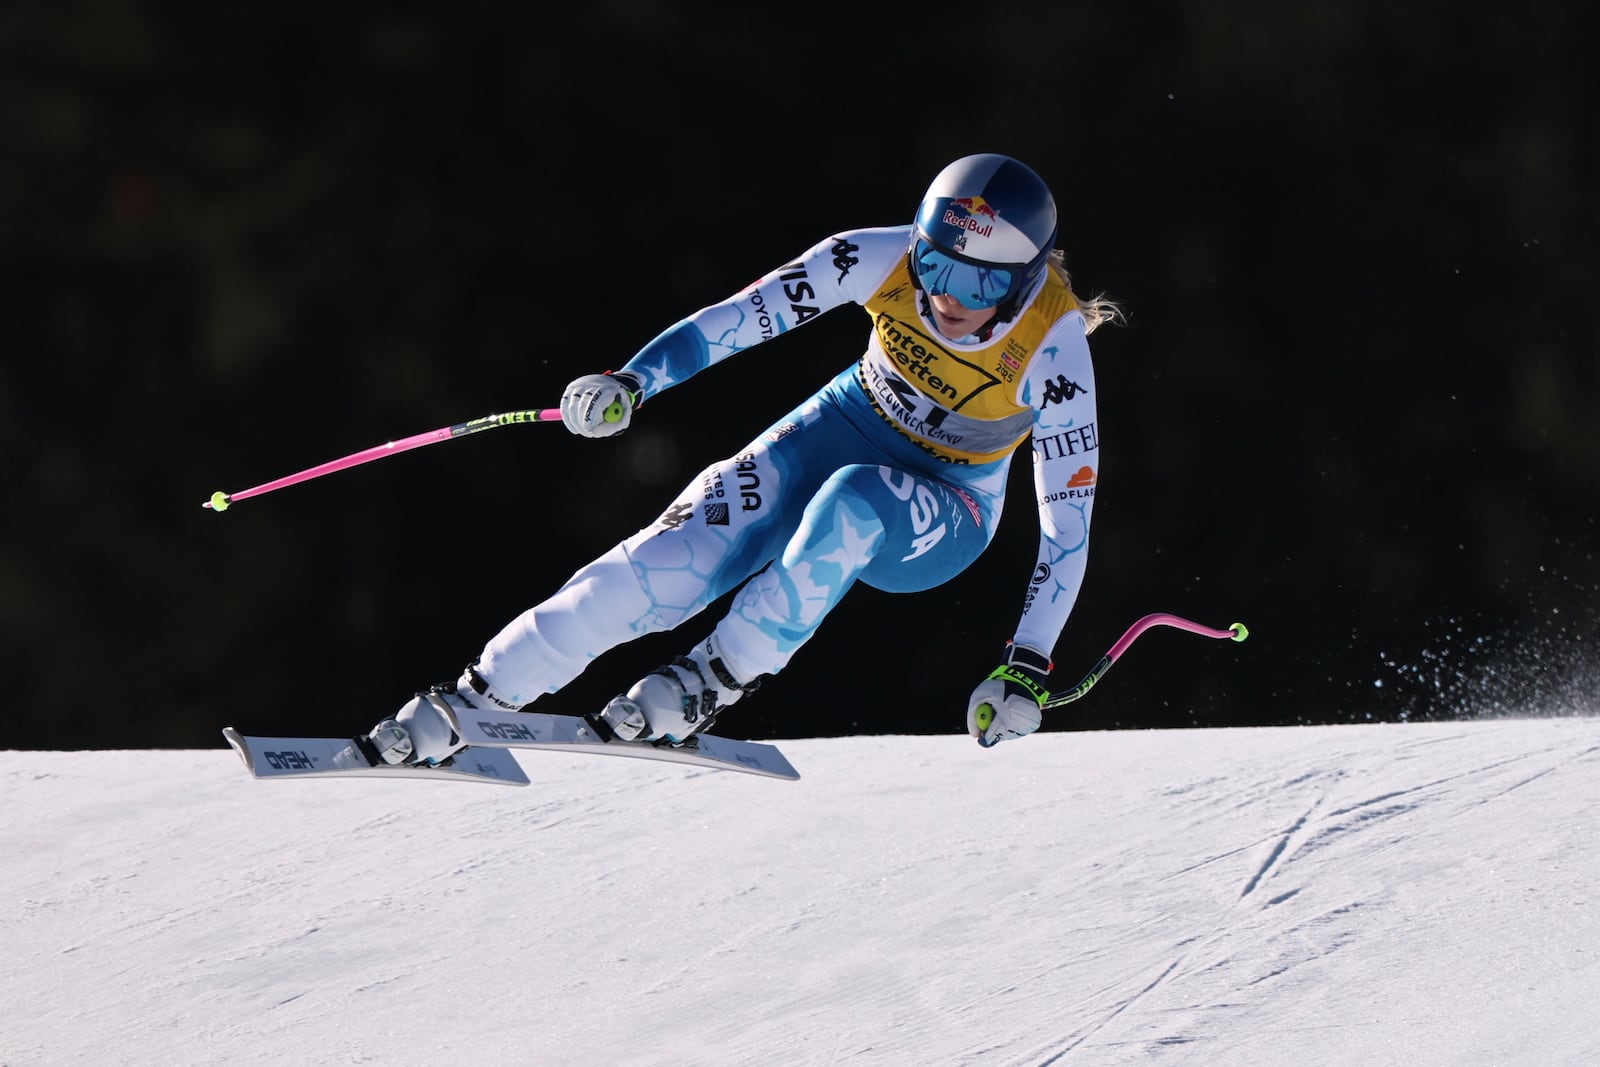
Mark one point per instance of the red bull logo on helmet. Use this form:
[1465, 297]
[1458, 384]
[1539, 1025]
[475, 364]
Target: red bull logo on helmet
[967, 212]
[975, 205]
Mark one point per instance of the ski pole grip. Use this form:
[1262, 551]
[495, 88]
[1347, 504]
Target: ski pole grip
[984, 717]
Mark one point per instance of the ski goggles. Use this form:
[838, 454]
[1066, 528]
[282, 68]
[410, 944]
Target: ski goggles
[976, 285]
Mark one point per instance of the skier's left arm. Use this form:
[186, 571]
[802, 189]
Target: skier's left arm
[1059, 386]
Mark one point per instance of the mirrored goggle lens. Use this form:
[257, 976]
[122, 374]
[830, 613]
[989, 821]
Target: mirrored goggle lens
[975, 286]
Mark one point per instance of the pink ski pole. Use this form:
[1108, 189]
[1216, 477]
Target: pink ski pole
[220, 501]
[1236, 632]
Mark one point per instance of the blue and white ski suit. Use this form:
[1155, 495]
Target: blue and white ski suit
[893, 473]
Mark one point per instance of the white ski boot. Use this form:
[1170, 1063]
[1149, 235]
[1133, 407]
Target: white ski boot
[424, 731]
[676, 701]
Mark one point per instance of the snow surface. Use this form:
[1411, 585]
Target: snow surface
[1375, 894]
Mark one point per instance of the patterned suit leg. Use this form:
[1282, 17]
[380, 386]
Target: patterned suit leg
[895, 530]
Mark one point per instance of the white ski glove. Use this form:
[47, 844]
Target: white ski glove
[599, 405]
[1010, 702]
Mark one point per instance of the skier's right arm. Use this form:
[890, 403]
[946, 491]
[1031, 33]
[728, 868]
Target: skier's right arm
[845, 268]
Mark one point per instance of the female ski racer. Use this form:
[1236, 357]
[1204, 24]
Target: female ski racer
[893, 473]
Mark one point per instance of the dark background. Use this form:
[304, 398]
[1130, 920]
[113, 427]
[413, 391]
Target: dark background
[1353, 406]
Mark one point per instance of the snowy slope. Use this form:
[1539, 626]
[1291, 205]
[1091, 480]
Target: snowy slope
[1419, 894]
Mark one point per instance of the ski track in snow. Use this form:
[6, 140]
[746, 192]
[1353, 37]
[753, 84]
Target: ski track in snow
[1337, 815]
[1421, 894]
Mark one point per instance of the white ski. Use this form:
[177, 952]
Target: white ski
[572, 733]
[489, 735]
[349, 757]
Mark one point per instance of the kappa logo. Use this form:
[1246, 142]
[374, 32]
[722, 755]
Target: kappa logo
[844, 257]
[677, 515]
[1060, 391]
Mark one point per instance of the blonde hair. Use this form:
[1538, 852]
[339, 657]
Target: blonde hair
[1097, 310]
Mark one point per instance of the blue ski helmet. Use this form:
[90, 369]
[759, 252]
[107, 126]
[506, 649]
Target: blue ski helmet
[985, 228]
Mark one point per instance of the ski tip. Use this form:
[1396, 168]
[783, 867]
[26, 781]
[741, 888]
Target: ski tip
[237, 742]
